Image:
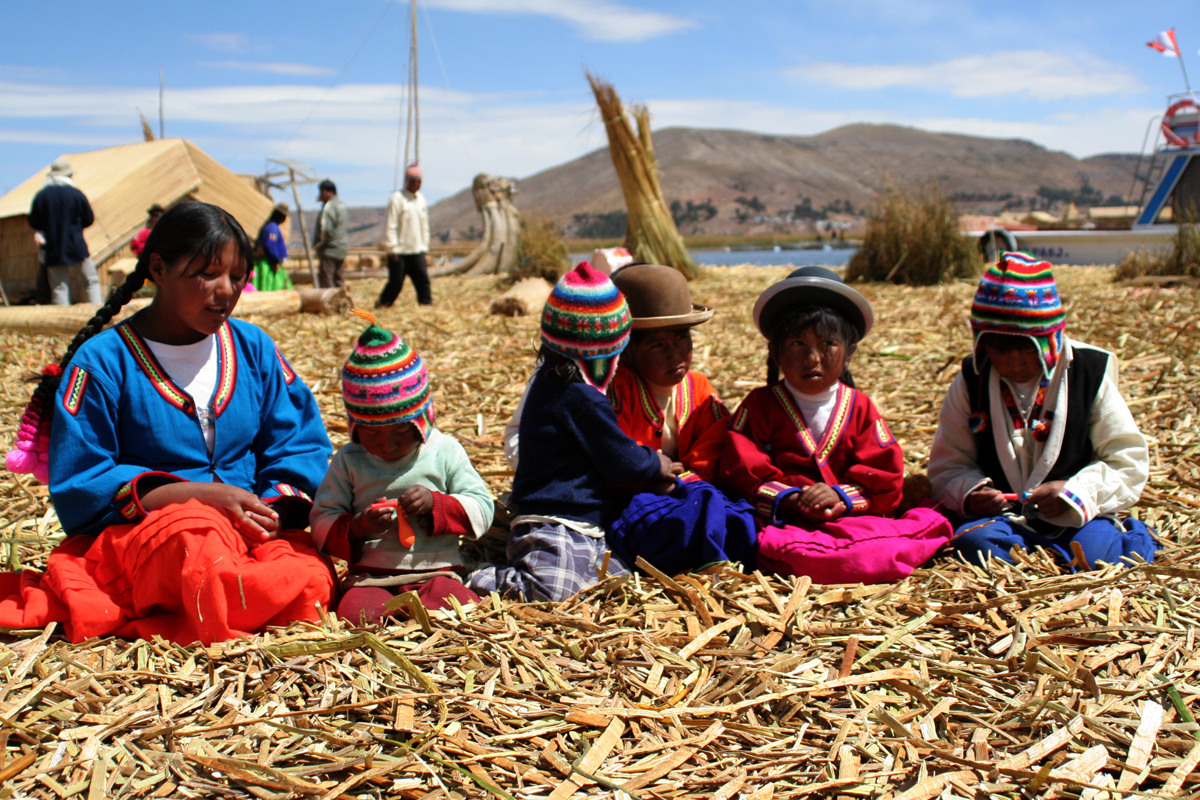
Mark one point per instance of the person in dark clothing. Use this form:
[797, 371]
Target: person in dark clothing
[60, 212]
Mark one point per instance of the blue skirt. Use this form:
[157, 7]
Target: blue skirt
[691, 527]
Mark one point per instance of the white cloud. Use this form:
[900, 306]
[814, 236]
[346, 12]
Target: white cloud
[595, 19]
[1036, 73]
[227, 41]
[273, 68]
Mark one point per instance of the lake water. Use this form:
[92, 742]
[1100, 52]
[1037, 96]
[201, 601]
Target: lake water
[762, 258]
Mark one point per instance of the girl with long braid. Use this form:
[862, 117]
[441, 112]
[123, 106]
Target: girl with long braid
[180, 449]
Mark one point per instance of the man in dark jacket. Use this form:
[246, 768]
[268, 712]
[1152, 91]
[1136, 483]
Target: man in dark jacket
[60, 212]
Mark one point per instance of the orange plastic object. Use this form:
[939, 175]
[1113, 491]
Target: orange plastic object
[408, 536]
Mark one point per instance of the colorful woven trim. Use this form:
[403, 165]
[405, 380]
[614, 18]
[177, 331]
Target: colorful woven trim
[287, 490]
[739, 421]
[126, 502]
[157, 376]
[289, 374]
[1076, 501]
[719, 411]
[1018, 296]
[836, 426]
[769, 494]
[685, 399]
[171, 391]
[854, 496]
[73, 395]
[228, 370]
[687, 476]
[1039, 418]
[978, 422]
[685, 403]
[883, 434]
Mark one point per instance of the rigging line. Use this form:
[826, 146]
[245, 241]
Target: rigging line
[409, 140]
[384, 8]
[446, 85]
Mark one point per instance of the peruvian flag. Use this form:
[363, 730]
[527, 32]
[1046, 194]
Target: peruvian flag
[1165, 43]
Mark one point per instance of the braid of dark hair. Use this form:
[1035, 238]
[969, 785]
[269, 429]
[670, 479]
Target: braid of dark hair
[117, 299]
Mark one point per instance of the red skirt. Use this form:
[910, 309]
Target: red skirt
[183, 573]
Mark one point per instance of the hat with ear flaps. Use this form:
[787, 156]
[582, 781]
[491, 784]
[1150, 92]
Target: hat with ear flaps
[586, 319]
[384, 381]
[1018, 296]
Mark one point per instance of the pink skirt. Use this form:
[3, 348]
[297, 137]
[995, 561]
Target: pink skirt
[854, 549]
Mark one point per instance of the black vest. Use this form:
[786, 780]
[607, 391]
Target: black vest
[1084, 376]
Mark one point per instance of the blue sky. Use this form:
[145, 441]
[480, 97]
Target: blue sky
[502, 84]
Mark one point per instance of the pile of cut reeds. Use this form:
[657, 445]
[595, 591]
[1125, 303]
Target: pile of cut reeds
[1026, 682]
[650, 232]
[912, 238]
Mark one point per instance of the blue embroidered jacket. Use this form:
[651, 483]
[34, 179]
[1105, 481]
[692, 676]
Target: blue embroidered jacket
[122, 427]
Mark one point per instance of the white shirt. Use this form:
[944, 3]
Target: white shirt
[194, 368]
[816, 408]
[407, 227]
[1111, 483]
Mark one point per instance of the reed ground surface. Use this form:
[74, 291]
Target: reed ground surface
[1026, 681]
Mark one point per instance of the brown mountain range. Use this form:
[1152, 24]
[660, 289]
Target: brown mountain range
[752, 183]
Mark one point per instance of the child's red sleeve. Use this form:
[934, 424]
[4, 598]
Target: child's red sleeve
[449, 516]
[875, 482]
[746, 468]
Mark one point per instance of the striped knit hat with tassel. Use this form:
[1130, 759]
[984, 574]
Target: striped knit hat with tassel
[384, 381]
[586, 319]
[1018, 297]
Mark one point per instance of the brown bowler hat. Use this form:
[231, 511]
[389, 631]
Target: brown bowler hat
[659, 297]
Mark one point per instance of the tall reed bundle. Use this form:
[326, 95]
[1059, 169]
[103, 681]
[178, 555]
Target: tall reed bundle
[650, 232]
[913, 238]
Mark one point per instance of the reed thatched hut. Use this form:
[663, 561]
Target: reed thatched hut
[121, 183]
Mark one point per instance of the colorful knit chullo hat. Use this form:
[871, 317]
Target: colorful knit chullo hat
[586, 319]
[384, 381]
[1018, 297]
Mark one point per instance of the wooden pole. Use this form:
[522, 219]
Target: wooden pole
[161, 135]
[312, 269]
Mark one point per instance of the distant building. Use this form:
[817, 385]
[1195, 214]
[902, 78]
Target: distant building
[121, 183]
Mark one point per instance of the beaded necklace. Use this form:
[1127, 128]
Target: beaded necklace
[1039, 418]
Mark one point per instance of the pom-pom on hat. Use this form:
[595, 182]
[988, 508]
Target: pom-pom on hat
[384, 381]
[816, 286]
[1018, 296]
[586, 319]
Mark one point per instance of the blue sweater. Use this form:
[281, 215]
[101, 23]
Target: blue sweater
[122, 427]
[572, 450]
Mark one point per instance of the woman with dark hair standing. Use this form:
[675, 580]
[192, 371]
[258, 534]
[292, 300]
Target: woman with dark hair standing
[270, 250]
[181, 457]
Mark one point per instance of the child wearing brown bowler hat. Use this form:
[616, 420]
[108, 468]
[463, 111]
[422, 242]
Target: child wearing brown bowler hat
[660, 402]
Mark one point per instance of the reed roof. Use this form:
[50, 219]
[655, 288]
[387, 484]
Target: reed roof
[122, 182]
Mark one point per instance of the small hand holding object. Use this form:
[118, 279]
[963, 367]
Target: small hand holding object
[415, 501]
[988, 502]
[666, 467]
[374, 522]
[1046, 499]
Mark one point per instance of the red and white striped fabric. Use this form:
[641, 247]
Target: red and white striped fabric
[1165, 43]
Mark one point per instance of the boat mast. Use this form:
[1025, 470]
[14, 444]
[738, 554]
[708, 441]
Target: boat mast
[412, 139]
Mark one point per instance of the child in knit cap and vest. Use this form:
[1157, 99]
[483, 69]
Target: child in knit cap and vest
[572, 449]
[1035, 445]
[399, 496]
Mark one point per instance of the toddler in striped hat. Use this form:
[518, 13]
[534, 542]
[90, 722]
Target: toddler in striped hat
[572, 449]
[1035, 447]
[399, 496]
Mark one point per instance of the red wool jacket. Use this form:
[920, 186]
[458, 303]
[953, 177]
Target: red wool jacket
[770, 451]
[700, 414]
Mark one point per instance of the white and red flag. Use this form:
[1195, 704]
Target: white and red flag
[1165, 43]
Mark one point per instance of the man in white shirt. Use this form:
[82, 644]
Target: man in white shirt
[406, 240]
